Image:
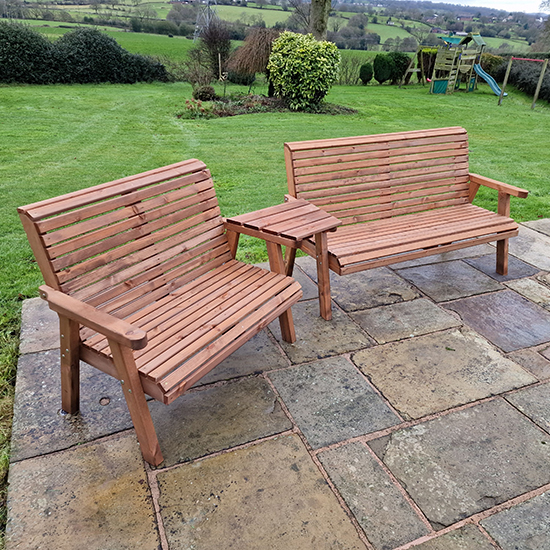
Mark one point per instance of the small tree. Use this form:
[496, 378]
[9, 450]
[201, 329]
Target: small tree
[382, 68]
[401, 62]
[303, 70]
[365, 73]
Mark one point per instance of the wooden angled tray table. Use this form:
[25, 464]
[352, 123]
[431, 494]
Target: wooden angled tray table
[288, 224]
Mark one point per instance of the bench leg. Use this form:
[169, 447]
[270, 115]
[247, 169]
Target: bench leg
[233, 241]
[502, 257]
[323, 275]
[137, 404]
[277, 265]
[70, 364]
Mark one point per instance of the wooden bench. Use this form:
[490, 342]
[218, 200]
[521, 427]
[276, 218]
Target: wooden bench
[400, 196]
[147, 289]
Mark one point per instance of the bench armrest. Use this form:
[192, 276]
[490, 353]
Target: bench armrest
[110, 326]
[476, 179]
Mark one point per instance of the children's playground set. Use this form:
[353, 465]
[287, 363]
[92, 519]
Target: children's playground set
[459, 61]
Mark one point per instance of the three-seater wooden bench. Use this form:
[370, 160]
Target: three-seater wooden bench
[399, 196]
[142, 275]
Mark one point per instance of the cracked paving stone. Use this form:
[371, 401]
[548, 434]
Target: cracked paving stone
[380, 508]
[532, 290]
[370, 288]
[468, 537]
[535, 403]
[533, 361]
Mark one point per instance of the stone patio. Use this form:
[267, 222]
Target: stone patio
[417, 418]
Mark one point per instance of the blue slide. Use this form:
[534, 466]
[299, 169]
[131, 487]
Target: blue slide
[488, 78]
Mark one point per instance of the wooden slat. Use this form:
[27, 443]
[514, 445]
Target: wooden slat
[392, 137]
[77, 199]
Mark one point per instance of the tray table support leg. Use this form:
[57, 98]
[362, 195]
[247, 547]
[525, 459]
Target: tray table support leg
[323, 275]
[277, 265]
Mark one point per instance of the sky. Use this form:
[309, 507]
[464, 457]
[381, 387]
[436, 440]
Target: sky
[529, 6]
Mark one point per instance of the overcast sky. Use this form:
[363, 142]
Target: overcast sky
[529, 6]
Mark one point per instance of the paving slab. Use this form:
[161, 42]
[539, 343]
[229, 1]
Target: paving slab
[371, 288]
[542, 226]
[404, 320]
[533, 361]
[331, 401]
[317, 338]
[93, 496]
[269, 495]
[546, 353]
[532, 290]
[259, 354]
[380, 508]
[40, 427]
[468, 537]
[516, 268]
[39, 327]
[449, 280]
[532, 247]
[435, 372]
[535, 403]
[544, 278]
[469, 460]
[217, 418]
[469, 252]
[522, 527]
[506, 319]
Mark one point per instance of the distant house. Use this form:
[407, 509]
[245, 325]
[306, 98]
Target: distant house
[437, 30]
[464, 17]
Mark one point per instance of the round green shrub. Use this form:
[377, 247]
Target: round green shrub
[302, 70]
[383, 67]
[365, 73]
[26, 56]
[401, 62]
[204, 93]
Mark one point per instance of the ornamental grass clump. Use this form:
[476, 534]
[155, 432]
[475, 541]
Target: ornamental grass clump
[302, 69]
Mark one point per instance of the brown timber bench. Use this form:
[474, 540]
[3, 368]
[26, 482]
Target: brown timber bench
[143, 277]
[399, 196]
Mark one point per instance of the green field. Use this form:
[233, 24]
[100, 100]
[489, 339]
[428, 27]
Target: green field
[270, 16]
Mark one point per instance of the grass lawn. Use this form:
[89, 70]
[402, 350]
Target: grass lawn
[61, 138]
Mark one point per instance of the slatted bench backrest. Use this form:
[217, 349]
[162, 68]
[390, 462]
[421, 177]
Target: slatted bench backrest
[364, 178]
[126, 243]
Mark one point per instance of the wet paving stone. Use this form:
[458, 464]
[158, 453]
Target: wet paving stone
[217, 418]
[404, 320]
[534, 403]
[259, 354]
[509, 321]
[531, 247]
[371, 288]
[533, 361]
[532, 290]
[330, 401]
[269, 495]
[317, 338]
[522, 527]
[516, 268]
[449, 280]
[468, 461]
[93, 496]
[542, 226]
[39, 327]
[435, 372]
[380, 508]
[39, 427]
[468, 537]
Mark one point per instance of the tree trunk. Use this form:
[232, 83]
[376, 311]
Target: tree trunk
[319, 18]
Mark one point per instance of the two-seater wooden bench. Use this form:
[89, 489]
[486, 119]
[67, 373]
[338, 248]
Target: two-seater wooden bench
[399, 196]
[142, 275]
